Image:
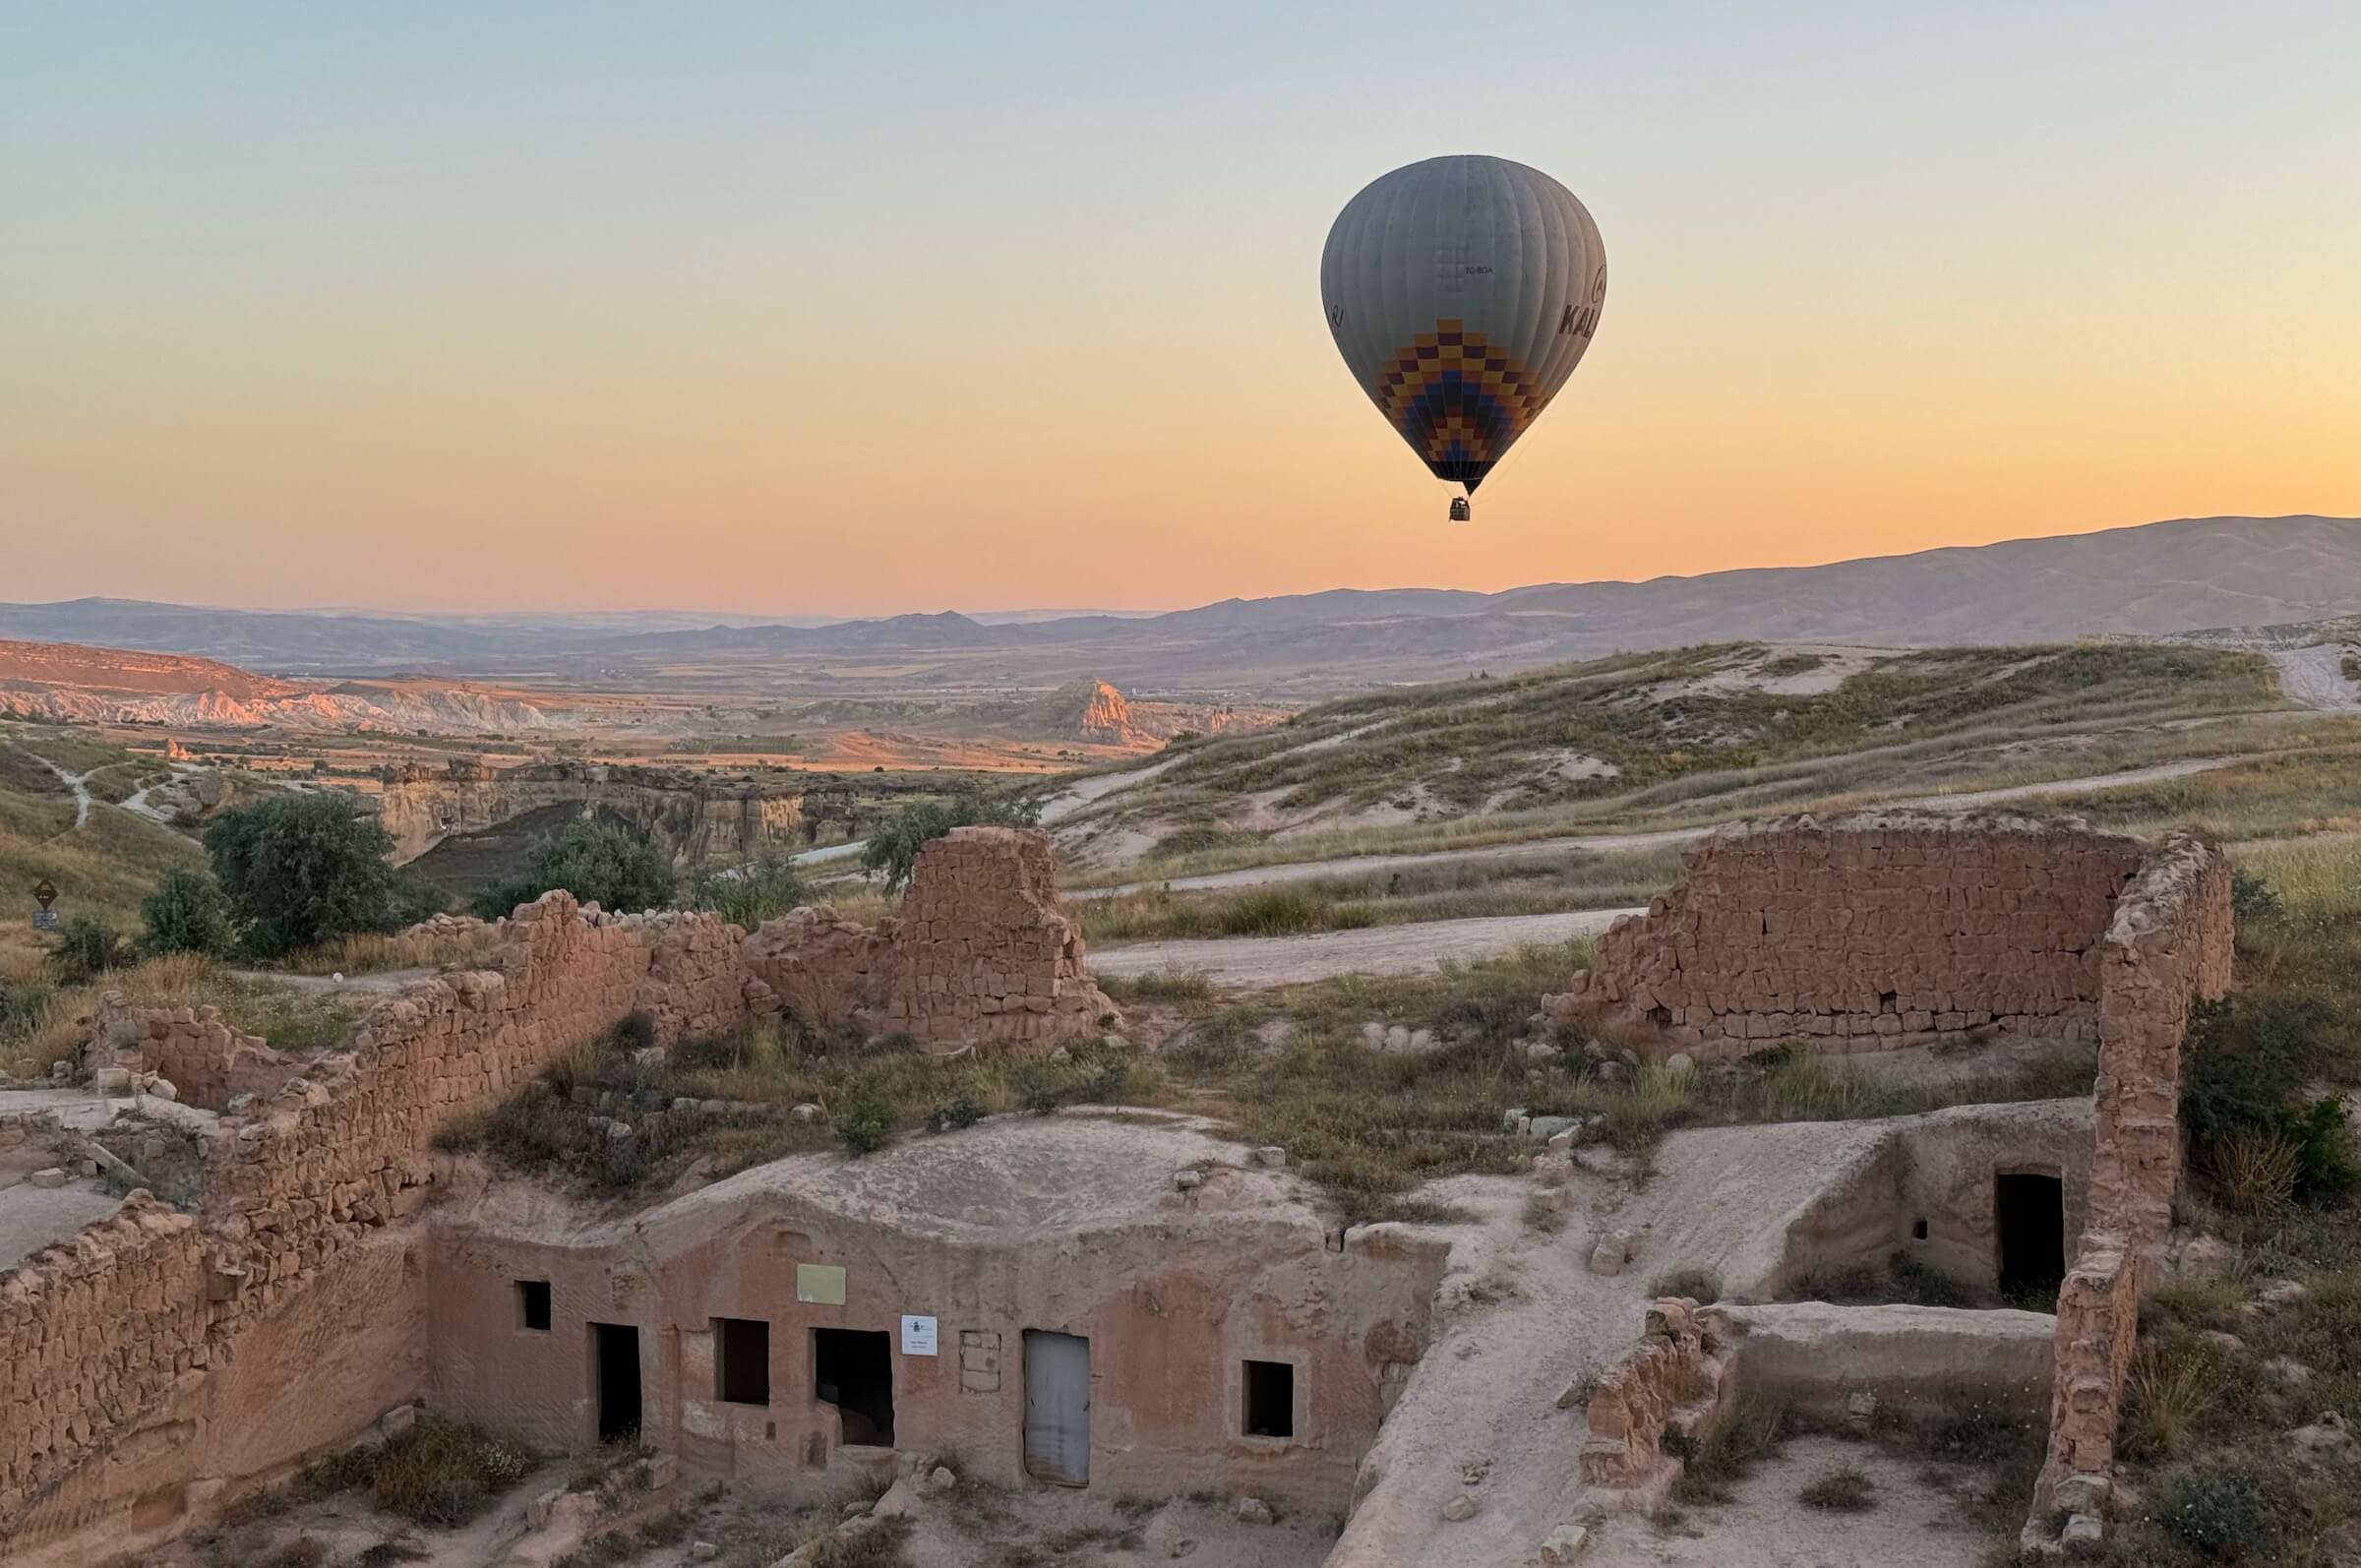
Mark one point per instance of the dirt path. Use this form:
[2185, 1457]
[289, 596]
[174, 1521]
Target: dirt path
[1613, 843]
[2315, 676]
[138, 798]
[1481, 1416]
[74, 782]
[1375, 950]
[1089, 790]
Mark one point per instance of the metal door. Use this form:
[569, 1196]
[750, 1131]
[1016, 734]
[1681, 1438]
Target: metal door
[1057, 1408]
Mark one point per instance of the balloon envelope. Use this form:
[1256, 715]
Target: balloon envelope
[1461, 292]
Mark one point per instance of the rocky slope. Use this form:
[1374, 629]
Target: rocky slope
[69, 684]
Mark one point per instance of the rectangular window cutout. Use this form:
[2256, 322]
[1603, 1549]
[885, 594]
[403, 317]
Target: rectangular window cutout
[532, 1304]
[742, 1360]
[1270, 1402]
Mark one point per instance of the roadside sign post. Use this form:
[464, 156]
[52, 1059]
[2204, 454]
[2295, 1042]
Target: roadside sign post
[45, 893]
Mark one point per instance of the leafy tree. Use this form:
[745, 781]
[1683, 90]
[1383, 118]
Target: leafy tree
[304, 868]
[893, 848]
[187, 913]
[597, 862]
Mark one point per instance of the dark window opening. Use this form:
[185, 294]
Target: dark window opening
[2031, 1212]
[1270, 1402]
[533, 1303]
[742, 1360]
[1918, 1230]
[615, 1348]
[853, 1371]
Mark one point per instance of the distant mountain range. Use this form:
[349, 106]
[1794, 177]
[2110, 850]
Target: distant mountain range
[2159, 578]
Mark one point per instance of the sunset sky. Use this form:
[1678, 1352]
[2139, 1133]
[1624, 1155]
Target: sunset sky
[854, 309]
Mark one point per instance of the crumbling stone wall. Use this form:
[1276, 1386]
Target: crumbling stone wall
[97, 1325]
[1867, 932]
[2168, 945]
[336, 1146]
[205, 1061]
[827, 972]
[330, 1157]
[1673, 1380]
[985, 952]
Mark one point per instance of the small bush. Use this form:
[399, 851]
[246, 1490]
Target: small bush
[2251, 898]
[1839, 1492]
[437, 1472]
[186, 913]
[635, 1031]
[867, 1120]
[961, 1111]
[2256, 1170]
[2165, 1391]
[86, 948]
[763, 888]
[2225, 1515]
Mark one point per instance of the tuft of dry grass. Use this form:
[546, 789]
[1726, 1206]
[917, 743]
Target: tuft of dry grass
[373, 952]
[2254, 1170]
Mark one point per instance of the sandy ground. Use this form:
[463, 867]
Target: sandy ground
[382, 982]
[2315, 676]
[1481, 1415]
[30, 1217]
[1376, 950]
[1911, 1523]
[1612, 843]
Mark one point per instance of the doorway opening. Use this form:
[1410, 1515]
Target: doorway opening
[2029, 1211]
[1269, 1406]
[853, 1371]
[615, 1351]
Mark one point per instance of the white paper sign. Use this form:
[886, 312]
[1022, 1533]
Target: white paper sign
[918, 1335]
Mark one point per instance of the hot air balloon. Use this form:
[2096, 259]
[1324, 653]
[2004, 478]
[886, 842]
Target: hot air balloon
[1461, 292]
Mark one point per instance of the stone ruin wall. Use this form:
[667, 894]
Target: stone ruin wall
[985, 950]
[100, 1327]
[1866, 932]
[1876, 931]
[1672, 1381]
[2168, 947]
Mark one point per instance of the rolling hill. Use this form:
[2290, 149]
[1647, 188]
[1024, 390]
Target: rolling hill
[2149, 581]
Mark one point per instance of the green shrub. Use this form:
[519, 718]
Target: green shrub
[2245, 1079]
[2226, 1516]
[599, 863]
[86, 947]
[2252, 898]
[892, 849]
[763, 888]
[961, 1111]
[865, 1121]
[186, 913]
[303, 870]
[437, 1472]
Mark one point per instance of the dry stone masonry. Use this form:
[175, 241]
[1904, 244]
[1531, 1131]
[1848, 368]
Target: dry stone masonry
[985, 950]
[1867, 932]
[2167, 947]
[307, 1160]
